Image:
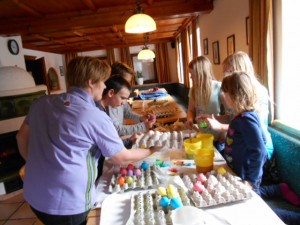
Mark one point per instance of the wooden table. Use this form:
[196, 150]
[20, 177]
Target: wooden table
[166, 109]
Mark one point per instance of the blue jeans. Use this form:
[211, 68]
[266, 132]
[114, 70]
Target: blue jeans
[47, 219]
[273, 191]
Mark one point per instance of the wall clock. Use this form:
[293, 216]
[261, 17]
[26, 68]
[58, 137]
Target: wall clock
[13, 47]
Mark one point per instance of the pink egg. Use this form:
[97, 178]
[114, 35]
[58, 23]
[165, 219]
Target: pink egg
[129, 172]
[116, 169]
[152, 117]
[137, 172]
[202, 178]
[199, 187]
[123, 171]
[130, 166]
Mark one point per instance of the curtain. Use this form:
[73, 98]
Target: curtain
[70, 56]
[126, 58]
[162, 63]
[194, 35]
[261, 43]
[110, 56]
[185, 57]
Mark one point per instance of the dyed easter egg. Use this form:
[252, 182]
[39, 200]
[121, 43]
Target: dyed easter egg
[221, 171]
[172, 191]
[129, 172]
[202, 178]
[130, 167]
[175, 203]
[123, 171]
[121, 180]
[164, 201]
[162, 191]
[199, 187]
[129, 180]
[137, 172]
[145, 166]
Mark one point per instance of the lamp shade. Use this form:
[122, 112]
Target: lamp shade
[140, 23]
[146, 54]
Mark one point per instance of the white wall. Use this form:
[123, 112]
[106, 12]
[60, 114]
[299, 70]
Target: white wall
[51, 60]
[6, 58]
[227, 18]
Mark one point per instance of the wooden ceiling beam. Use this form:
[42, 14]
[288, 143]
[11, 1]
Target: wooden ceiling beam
[52, 24]
[28, 9]
[90, 4]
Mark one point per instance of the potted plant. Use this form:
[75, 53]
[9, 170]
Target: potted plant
[139, 78]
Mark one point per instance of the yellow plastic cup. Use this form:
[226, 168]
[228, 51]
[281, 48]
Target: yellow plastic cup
[207, 140]
[191, 147]
[204, 160]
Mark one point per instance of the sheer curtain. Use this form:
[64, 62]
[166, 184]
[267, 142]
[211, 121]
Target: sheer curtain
[185, 56]
[162, 63]
[126, 58]
[70, 56]
[261, 43]
[110, 56]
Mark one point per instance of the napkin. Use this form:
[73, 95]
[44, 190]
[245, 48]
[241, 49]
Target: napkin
[153, 95]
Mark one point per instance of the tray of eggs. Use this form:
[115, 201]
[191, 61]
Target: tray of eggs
[215, 187]
[155, 207]
[132, 177]
[156, 138]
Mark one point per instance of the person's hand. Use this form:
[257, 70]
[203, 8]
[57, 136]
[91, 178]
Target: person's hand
[248, 184]
[149, 123]
[212, 123]
[203, 117]
[136, 136]
[148, 117]
[157, 148]
[189, 124]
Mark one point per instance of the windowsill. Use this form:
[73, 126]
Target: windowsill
[286, 128]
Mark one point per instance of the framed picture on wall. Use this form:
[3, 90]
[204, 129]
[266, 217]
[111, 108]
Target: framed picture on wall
[216, 52]
[230, 44]
[205, 46]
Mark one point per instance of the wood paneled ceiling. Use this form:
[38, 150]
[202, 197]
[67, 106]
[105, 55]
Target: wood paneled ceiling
[62, 26]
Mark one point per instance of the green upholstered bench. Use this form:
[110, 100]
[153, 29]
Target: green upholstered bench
[287, 158]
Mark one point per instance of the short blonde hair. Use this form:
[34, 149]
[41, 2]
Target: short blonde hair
[82, 69]
[242, 91]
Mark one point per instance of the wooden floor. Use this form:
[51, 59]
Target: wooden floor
[16, 211]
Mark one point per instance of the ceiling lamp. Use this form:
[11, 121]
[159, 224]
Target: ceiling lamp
[139, 22]
[146, 54]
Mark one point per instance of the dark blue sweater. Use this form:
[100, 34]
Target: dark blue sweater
[245, 150]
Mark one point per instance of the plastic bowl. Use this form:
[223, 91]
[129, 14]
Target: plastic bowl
[207, 140]
[192, 147]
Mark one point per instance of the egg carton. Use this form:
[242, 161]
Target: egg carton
[163, 112]
[146, 180]
[217, 189]
[156, 138]
[146, 208]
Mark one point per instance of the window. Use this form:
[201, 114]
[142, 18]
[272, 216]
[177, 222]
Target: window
[180, 62]
[287, 50]
[198, 37]
[190, 34]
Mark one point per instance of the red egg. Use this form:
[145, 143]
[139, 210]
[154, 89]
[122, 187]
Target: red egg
[121, 180]
[155, 89]
[123, 171]
[130, 166]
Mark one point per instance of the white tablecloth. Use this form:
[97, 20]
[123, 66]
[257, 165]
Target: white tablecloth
[115, 208]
